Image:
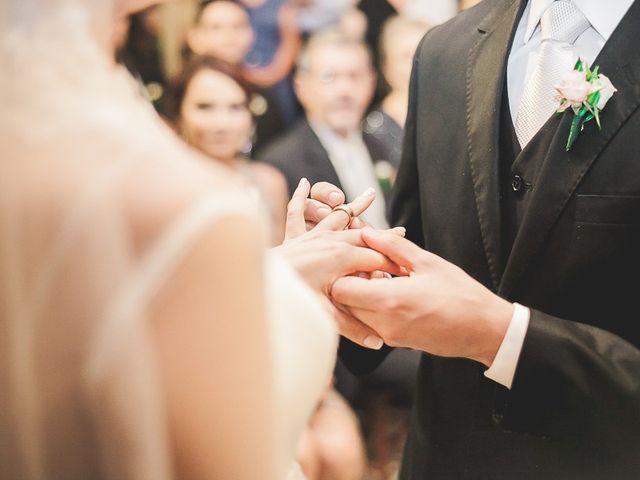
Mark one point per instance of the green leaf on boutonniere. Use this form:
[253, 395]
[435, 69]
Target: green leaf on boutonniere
[593, 98]
[579, 65]
[597, 117]
[576, 128]
[592, 103]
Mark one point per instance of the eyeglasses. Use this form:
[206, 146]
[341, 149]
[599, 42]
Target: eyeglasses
[328, 77]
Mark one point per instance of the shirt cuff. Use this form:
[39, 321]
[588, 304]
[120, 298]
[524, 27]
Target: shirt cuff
[503, 368]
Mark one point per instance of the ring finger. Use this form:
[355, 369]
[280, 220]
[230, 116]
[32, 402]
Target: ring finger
[339, 219]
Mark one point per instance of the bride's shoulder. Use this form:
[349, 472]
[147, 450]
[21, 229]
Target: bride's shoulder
[169, 180]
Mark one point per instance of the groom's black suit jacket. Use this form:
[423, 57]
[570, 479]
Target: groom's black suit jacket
[563, 238]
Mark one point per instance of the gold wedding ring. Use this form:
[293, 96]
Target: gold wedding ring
[346, 209]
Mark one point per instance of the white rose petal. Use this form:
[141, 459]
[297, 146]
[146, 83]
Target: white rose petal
[606, 90]
[383, 169]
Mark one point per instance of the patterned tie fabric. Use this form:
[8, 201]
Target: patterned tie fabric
[561, 24]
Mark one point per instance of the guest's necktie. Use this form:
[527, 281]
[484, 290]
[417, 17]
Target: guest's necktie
[561, 24]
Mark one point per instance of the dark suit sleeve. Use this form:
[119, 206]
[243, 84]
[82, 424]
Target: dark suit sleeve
[405, 211]
[573, 377]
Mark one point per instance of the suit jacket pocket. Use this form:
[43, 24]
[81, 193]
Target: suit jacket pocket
[607, 209]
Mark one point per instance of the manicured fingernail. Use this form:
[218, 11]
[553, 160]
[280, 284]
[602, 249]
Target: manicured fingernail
[303, 181]
[335, 197]
[373, 342]
[369, 192]
[324, 211]
[400, 231]
[387, 275]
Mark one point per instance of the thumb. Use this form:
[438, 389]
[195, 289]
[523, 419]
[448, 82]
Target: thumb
[398, 249]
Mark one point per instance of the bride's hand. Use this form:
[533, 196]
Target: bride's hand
[305, 214]
[324, 197]
[328, 252]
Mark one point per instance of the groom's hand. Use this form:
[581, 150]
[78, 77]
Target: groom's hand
[437, 309]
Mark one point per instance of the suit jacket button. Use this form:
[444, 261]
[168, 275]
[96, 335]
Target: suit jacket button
[517, 183]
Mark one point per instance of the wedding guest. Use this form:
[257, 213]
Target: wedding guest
[272, 56]
[212, 114]
[398, 43]
[354, 24]
[222, 29]
[334, 83]
[316, 15]
[378, 12]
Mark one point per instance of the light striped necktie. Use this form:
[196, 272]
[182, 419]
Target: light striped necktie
[561, 24]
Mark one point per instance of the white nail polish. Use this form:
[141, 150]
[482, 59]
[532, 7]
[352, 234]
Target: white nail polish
[373, 342]
[369, 192]
[335, 197]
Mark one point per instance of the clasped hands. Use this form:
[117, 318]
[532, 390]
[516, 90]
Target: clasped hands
[386, 289]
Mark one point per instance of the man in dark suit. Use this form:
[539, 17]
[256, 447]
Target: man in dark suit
[334, 83]
[509, 215]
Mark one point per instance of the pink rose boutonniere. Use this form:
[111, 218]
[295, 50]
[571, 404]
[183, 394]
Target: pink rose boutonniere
[586, 92]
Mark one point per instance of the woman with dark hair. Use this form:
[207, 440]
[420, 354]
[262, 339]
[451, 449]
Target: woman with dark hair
[222, 29]
[211, 112]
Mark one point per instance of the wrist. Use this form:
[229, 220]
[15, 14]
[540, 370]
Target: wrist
[495, 319]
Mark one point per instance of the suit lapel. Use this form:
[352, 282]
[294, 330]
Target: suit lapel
[486, 69]
[561, 171]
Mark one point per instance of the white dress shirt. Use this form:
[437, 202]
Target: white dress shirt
[604, 18]
[352, 162]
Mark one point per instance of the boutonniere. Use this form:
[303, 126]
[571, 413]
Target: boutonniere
[586, 92]
[385, 173]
